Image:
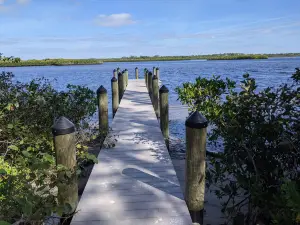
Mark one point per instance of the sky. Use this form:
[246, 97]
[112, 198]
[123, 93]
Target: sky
[116, 28]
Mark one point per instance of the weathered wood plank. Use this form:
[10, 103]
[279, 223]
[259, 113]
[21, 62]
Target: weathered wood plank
[135, 181]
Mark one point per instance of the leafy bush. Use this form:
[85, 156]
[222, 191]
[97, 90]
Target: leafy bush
[258, 172]
[28, 174]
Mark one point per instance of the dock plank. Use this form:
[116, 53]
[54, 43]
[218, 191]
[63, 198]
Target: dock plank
[134, 181]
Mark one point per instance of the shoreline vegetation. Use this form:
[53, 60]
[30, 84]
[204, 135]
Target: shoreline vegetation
[230, 56]
[50, 62]
[17, 62]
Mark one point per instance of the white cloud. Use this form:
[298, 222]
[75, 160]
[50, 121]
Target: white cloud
[114, 20]
[22, 1]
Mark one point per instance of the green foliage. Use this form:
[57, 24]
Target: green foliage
[2, 222]
[15, 62]
[12, 62]
[227, 56]
[28, 173]
[258, 172]
[284, 55]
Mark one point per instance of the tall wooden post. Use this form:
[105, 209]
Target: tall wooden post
[118, 70]
[145, 71]
[126, 74]
[115, 73]
[196, 126]
[150, 84]
[136, 73]
[124, 80]
[65, 151]
[121, 85]
[146, 78]
[157, 73]
[115, 95]
[103, 109]
[155, 95]
[154, 70]
[164, 112]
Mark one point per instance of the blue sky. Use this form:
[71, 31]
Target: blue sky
[116, 28]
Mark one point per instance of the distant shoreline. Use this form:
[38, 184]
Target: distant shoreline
[71, 62]
[50, 62]
[26, 65]
[193, 57]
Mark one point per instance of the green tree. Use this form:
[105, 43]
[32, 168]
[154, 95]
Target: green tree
[28, 173]
[259, 132]
[17, 60]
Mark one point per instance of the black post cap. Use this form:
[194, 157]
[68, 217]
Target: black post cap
[114, 70]
[196, 120]
[126, 70]
[149, 74]
[136, 68]
[153, 67]
[101, 90]
[62, 126]
[118, 68]
[157, 68]
[163, 89]
[154, 77]
[119, 74]
[114, 79]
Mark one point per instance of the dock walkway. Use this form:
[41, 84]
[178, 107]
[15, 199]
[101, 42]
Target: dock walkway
[134, 182]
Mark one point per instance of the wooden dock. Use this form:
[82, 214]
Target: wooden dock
[134, 182]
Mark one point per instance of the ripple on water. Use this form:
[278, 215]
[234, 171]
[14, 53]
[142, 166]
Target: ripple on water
[271, 72]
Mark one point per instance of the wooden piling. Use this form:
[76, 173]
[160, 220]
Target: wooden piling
[196, 126]
[164, 112]
[155, 95]
[124, 80]
[103, 109]
[121, 85]
[154, 70]
[118, 70]
[157, 73]
[115, 73]
[136, 73]
[126, 75]
[145, 71]
[65, 150]
[146, 78]
[150, 84]
[115, 95]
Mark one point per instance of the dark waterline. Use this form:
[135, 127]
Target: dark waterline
[267, 72]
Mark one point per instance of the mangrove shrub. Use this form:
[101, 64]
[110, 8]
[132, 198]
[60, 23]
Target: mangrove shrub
[28, 172]
[259, 131]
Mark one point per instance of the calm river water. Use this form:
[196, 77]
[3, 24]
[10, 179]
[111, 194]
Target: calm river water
[270, 72]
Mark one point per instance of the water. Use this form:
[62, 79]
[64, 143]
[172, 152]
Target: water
[270, 72]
